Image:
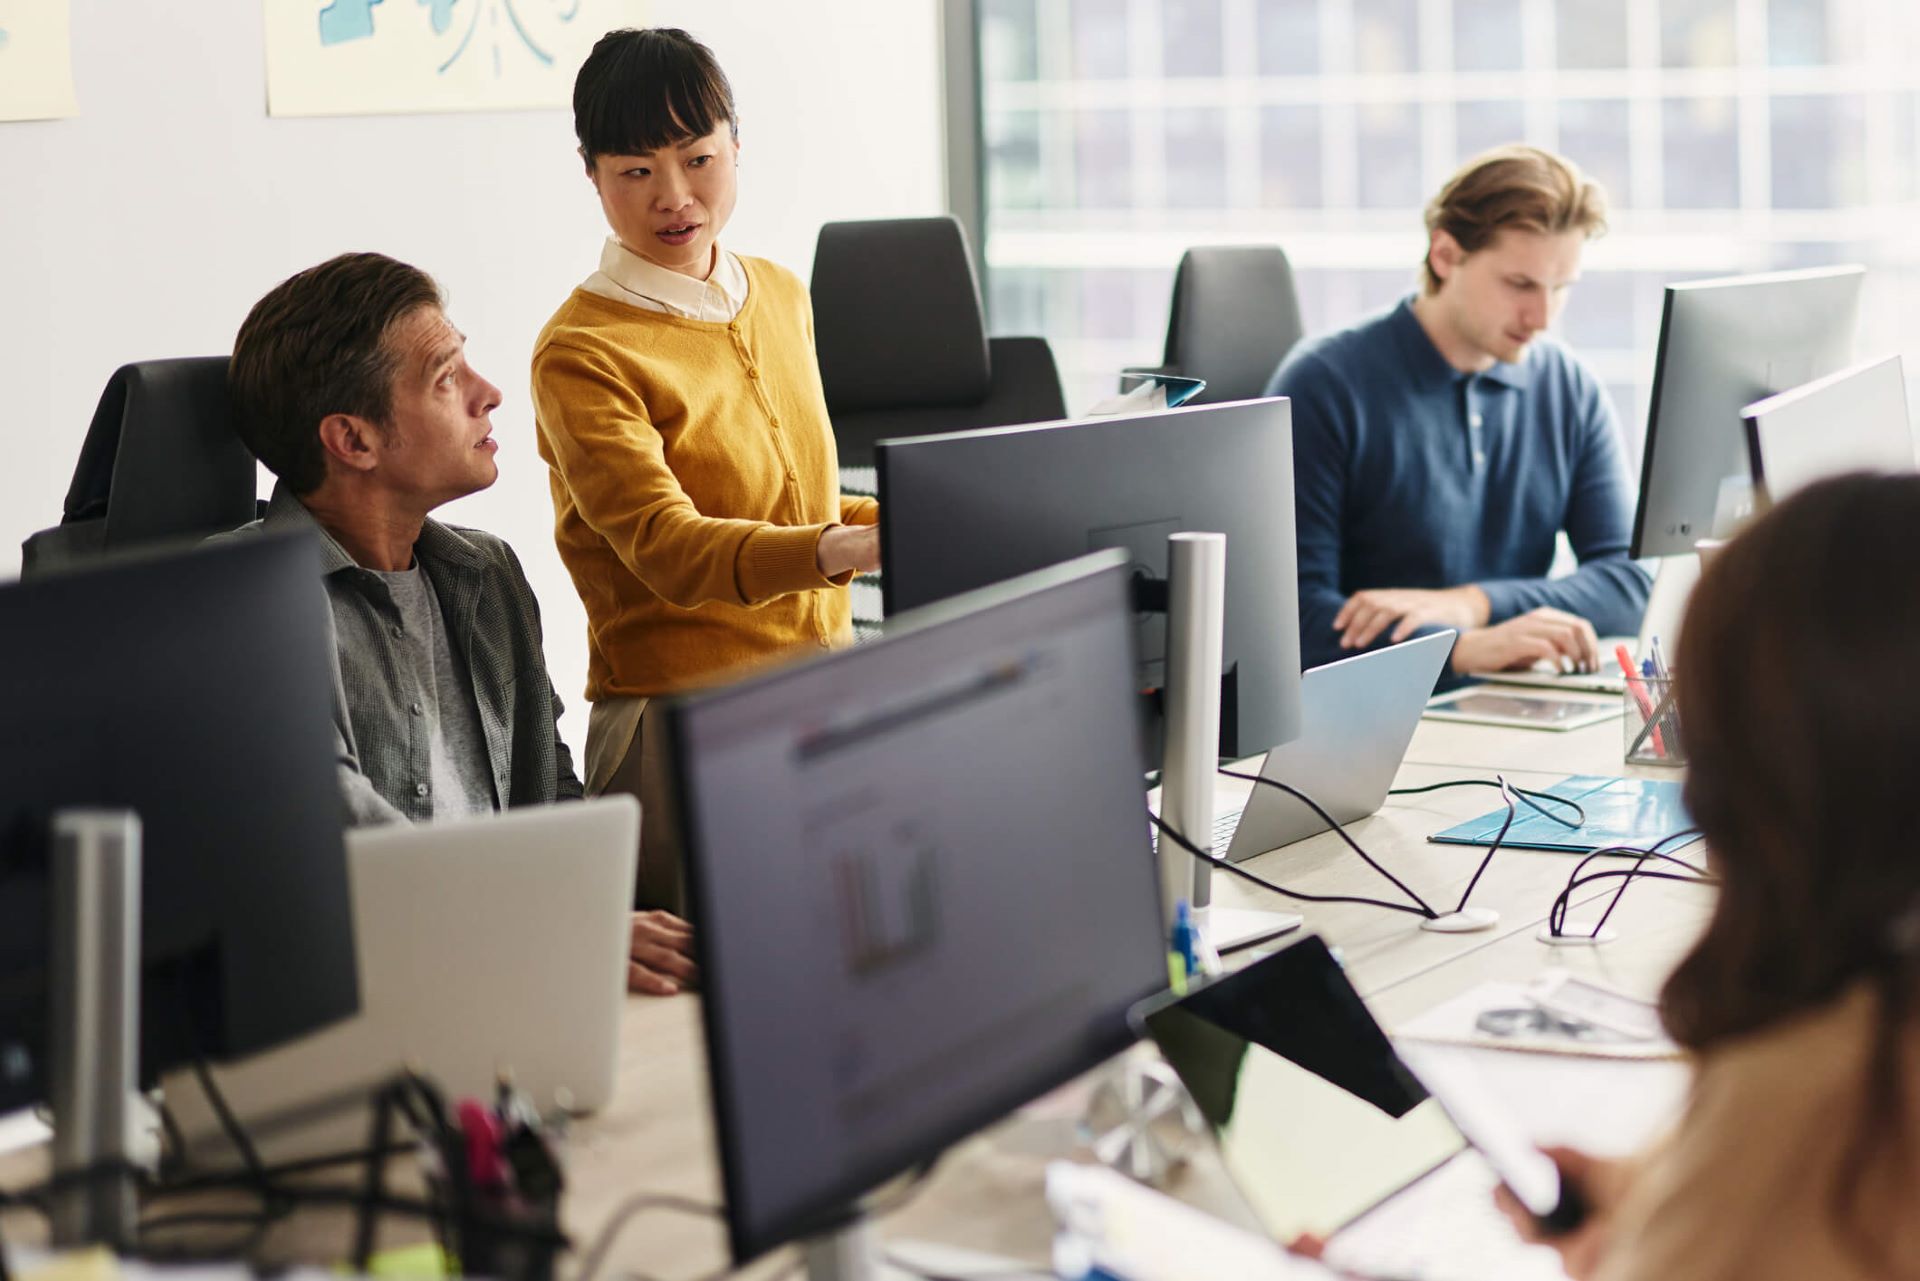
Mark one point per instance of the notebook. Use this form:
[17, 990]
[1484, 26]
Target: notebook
[1634, 812]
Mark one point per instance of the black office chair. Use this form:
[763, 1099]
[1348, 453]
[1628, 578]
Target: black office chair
[902, 339]
[161, 462]
[1234, 318]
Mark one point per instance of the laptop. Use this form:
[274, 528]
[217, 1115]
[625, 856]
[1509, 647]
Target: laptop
[485, 945]
[1357, 718]
[1323, 1129]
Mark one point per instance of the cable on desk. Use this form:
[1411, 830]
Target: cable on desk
[1513, 811]
[1557, 914]
[1636, 874]
[1528, 797]
[630, 1209]
[1424, 912]
[1341, 831]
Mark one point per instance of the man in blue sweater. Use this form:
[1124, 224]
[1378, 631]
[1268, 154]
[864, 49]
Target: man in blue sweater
[1440, 447]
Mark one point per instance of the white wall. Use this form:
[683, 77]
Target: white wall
[148, 225]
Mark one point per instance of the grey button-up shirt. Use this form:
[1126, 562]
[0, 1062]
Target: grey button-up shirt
[493, 624]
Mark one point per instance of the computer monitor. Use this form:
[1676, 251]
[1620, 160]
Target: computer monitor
[1723, 345]
[963, 510]
[923, 888]
[1855, 420]
[192, 688]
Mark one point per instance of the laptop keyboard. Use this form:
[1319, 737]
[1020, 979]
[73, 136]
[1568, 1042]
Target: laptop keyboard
[1224, 826]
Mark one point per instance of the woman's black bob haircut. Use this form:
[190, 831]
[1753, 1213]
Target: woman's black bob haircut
[644, 89]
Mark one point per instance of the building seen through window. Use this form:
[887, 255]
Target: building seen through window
[1731, 136]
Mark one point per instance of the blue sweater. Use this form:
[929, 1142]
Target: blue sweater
[1408, 473]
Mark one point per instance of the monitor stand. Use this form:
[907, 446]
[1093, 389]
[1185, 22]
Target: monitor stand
[1196, 637]
[93, 1055]
[853, 1254]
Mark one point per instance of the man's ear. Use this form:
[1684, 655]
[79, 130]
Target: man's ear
[1444, 254]
[593, 172]
[353, 443]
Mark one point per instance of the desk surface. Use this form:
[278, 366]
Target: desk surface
[656, 1136]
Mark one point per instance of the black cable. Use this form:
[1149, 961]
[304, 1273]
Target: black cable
[222, 1178]
[1527, 795]
[1341, 831]
[1513, 812]
[1241, 872]
[1556, 915]
[1562, 903]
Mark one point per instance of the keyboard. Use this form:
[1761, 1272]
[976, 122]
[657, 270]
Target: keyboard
[1444, 1227]
[1224, 826]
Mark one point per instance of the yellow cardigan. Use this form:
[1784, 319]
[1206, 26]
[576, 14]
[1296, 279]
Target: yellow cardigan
[693, 469]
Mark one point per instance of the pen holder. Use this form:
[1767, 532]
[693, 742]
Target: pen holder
[1654, 735]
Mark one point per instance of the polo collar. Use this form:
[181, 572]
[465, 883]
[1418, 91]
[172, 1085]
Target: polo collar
[1428, 369]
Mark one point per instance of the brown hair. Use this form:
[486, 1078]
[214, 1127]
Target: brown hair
[1513, 186]
[1797, 688]
[317, 345]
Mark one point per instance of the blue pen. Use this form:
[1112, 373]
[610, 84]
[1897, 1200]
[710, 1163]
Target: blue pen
[1653, 669]
[1184, 943]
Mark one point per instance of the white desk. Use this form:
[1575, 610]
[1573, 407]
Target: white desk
[656, 1136]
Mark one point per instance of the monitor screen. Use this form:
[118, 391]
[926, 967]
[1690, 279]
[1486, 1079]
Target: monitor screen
[922, 887]
[192, 688]
[1723, 345]
[972, 508]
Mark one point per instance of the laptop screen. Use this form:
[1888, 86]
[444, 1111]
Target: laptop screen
[1316, 1118]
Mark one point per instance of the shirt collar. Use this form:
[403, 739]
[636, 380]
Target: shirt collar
[724, 291]
[437, 542]
[1428, 368]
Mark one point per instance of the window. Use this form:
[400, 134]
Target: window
[1731, 135]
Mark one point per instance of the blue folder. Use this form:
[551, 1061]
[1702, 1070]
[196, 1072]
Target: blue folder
[1620, 811]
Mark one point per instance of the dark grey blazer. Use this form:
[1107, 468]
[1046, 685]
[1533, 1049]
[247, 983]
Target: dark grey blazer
[493, 622]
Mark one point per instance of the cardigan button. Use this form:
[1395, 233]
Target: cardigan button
[752, 372]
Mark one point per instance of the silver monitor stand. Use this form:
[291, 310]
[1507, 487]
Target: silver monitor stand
[1196, 636]
[93, 1060]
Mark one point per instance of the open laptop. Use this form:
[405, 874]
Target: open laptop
[1357, 717]
[1325, 1132]
[485, 945]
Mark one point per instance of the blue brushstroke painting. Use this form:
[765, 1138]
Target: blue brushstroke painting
[442, 14]
[345, 20]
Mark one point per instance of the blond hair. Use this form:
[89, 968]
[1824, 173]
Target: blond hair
[1512, 186]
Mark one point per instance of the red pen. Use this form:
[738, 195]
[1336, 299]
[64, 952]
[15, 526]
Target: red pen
[1639, 692]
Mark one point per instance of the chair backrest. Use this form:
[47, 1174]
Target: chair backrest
[902, 338]
[161, 461]
[1234, 318]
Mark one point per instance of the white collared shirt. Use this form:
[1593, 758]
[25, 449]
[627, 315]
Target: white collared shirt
[625, 276]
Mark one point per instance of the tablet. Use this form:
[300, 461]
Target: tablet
[1523, 711]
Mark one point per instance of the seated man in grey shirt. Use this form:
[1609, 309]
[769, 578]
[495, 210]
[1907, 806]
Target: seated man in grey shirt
[353, 387]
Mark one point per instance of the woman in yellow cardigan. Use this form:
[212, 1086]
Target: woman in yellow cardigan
[1799, 1153]
[678, 403]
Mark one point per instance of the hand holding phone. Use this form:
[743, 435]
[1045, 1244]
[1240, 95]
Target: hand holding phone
[1555, 1204]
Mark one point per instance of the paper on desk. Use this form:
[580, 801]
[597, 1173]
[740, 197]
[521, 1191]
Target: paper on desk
[1609, 1107]
[1108, 1221]
[1498, 1016]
